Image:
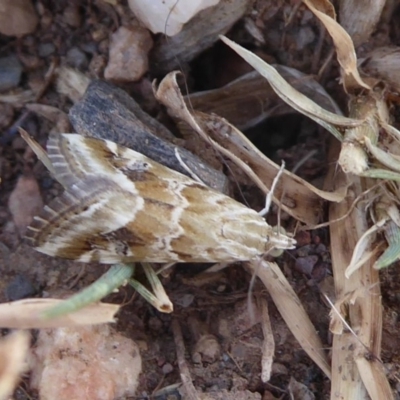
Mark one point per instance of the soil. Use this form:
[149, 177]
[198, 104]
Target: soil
[221, 338]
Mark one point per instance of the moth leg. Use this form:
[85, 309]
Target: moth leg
[217, 267]
[165, 269]
[268, 199]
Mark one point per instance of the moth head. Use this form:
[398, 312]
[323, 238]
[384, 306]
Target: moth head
[278, 241]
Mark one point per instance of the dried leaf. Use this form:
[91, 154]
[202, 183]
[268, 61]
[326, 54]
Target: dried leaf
[345, 51]
[292, 311]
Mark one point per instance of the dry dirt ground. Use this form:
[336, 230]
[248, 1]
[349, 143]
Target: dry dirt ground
[229, 357]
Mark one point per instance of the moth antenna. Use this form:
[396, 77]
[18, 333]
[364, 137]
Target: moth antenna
[163, 271]
[185, 166]
[303, 161]
[268, 199]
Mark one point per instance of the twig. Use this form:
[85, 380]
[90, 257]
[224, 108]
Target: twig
[191, 393]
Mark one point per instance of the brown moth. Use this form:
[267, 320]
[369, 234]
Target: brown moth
[120, 206]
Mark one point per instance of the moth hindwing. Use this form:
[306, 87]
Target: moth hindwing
[120, 206]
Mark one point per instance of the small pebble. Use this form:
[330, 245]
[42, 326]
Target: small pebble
[46, 49]
[24, 18]
[305, 37]
[186, 300]
[208, 347]
[85, 363]
[6, 117]
[306, 264]
[10, 73]
[76, 58]
[20, 288]
[128, 54]
[72, 15]
[167, 368]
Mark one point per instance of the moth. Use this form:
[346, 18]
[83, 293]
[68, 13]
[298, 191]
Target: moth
[120, 206]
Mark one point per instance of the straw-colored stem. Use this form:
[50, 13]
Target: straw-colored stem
[359, 299]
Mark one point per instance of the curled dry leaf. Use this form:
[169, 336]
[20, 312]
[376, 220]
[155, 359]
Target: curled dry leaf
[299, 198]
[250, 99]
[13, 352]
[368, 111]
[345, 51]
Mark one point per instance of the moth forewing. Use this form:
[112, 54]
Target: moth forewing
[120, 206]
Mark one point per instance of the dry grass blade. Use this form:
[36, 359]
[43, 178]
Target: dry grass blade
[364, 310]
[13, 351]
[291, 96]
[38, 150]
[289, 306]
[268, 347]
[250, 99]
[28, 314]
